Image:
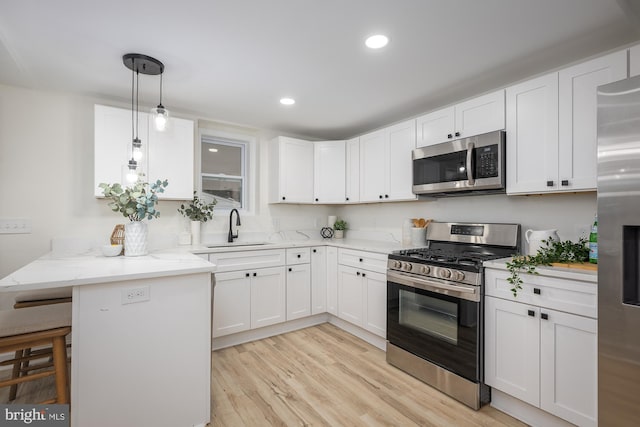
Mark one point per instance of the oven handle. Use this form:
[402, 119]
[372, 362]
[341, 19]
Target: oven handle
[470, 147]
[469, 293]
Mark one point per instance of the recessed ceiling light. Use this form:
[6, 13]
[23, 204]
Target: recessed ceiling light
[213, 150]
[287, 101]
[377, 41]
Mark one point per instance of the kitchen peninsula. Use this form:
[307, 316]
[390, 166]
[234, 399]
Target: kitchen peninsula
[141, 334]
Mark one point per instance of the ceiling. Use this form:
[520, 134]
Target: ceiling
[232, 60]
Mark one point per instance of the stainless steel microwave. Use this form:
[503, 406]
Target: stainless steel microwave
[462, 166]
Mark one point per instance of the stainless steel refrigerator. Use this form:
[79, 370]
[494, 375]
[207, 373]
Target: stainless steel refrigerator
[619, 253]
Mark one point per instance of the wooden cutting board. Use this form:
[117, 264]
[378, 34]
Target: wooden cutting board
[577, 265]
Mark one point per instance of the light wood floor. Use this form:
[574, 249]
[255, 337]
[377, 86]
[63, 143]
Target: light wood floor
[323, 376]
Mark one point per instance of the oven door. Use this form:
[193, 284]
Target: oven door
[440, 327]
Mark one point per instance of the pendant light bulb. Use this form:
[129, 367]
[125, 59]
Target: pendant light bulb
[132, 174]
[160, 117]
[137, 150]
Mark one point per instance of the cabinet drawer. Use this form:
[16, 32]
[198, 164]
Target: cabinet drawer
[365, 260]
[243, 260]
[570, 296]
[298, 256]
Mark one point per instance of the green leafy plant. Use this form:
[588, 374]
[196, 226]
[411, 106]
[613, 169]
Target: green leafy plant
[340, 225]
[136, 202]
[197, 209]
[552, 251]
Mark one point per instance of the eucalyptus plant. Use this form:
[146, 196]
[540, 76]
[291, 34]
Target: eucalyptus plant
[552, 251]
[136, 202]
[340, 225]
[198, 209]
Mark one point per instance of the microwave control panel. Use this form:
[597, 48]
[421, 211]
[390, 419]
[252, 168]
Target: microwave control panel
[487, 163]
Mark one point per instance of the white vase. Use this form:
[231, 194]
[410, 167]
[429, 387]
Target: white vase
[195, 232]
[338, 234]
[135, 238]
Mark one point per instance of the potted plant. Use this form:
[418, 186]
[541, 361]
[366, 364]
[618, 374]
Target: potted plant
[136, 203]
[339, 226]
[197, 211]
[552, 251]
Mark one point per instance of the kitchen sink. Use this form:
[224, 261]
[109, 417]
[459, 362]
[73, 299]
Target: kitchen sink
[234, 244]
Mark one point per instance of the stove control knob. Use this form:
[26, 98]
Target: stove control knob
[445, 273]
[397, 264]
[458, 275]
[408, 266]
[425, 269]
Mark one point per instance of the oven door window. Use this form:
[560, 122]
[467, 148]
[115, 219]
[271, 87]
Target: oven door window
[440, 328]
[449, 167]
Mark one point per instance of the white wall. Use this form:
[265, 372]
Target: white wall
[46, 176]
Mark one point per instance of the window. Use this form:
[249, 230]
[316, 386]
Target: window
[224, 172]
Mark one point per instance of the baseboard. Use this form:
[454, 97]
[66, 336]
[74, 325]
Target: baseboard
[526, 413]
[373, 339]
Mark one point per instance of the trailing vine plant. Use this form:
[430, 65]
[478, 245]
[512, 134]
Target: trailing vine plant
[551, 251]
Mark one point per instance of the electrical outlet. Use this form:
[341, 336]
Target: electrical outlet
[132, 295]
[15, 226]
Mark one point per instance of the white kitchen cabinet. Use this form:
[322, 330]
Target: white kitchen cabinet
[350, 295]
[473, 117]
[541, 346]
[370, 261]
[268, 296]
[375, 288]
[578, 118]
[291, 170]
[298, 291]
[532, 135]
[352, 173]
[634, 61]
[231, 304]
[318, 280]
[332, 280]
[298, 256]
[385, 163]
[329, 172]
[166, 155]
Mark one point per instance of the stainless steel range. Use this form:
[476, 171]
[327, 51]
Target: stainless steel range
[435, 309]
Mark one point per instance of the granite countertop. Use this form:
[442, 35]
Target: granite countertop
[559, 272]
[50, 271]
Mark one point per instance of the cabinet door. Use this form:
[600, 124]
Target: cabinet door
[353, 171]
[350, 295]
[318, 280]
[112, 145]
[634, 61]
[231, 303]
[532, 136]
[512, 349]
[298, 291]
[578, 121]
[435, 127]
[295, 170]
[373, 163]
[332, 280]
[375, 288]
[171, 157]
[329, 172]
[401, 140]
[569, 367]
[268, 296]
[480, 115]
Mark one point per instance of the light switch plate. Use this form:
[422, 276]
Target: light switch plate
[15, 226]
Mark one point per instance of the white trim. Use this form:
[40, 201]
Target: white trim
[525, 412]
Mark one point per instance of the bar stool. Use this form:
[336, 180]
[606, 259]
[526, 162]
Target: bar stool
[32, 327]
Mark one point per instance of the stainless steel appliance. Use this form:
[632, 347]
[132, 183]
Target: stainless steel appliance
[435, 307]
[474, 164]
[619, 253]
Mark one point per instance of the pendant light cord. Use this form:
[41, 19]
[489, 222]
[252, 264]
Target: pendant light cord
[137, 99]
[161, 88]
[133, 132]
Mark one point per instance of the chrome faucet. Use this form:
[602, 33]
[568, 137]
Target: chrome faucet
[231, 235]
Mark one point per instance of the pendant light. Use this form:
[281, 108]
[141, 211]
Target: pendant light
[160, 114]
[144, 64]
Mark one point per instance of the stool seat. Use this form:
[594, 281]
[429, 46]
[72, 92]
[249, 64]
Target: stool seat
[34, 319]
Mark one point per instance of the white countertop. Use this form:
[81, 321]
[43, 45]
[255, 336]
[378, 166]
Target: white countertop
[50, 272]
[559, 272]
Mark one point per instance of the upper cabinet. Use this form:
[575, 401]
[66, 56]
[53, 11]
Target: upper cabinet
[329, 171]
[166, 155]
[634, 61]
[551, 127]
[291, 166]
[473, 117]
[385, 163]
[352, 177]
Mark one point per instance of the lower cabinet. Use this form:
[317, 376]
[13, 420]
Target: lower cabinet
[318, 280]
[542, 356]
[332, 280]
[362, 298]
[298, 291]
[350, 295]
[248, 299]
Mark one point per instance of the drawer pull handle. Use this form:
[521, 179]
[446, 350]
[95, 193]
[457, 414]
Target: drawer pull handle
[360, 259]
[536, 291]
[247, 275]
[314, 251]
[449, 136]
[531, 313]
[565, 182]
[544, 316]
[549, 183]
[457, 134]
[358, 273]
[255, 274]
[363, 274]
[290, 270]
[299, 255]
